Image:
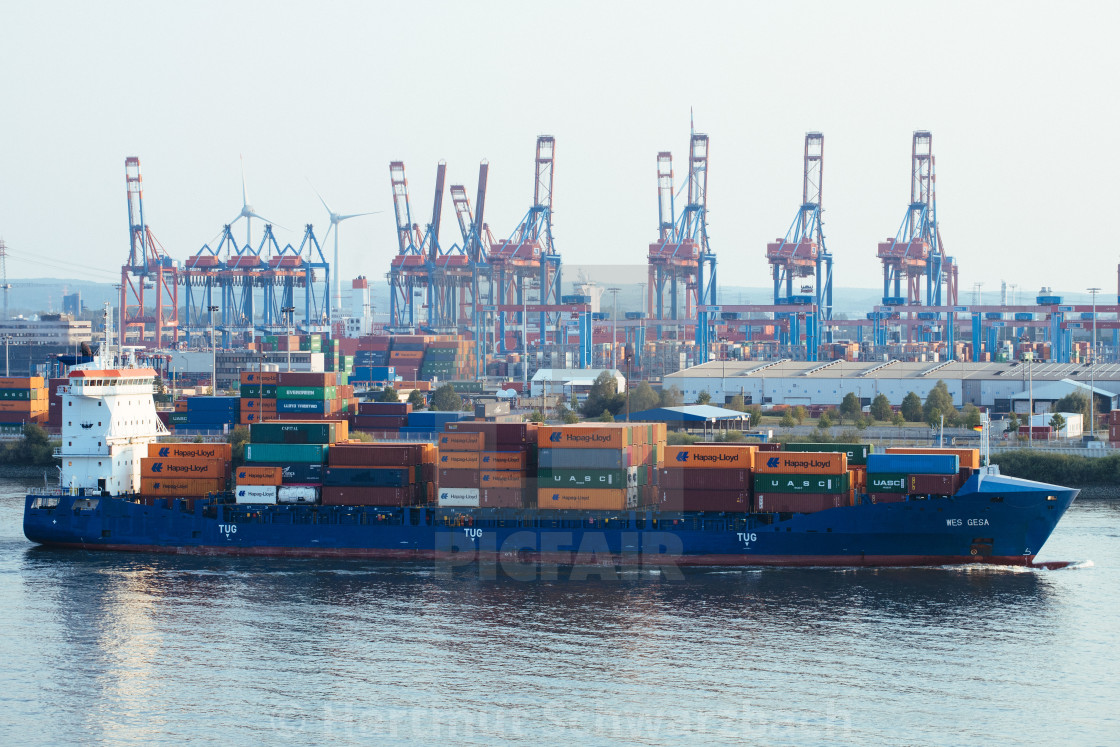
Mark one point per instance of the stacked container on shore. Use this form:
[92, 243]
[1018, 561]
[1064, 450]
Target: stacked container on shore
[801, 482]
[184, 470]
[608, 466]
[490, 465]
[379, 474]
[707, 477]
[23, 400]
[381, 417]
[304, 395]
[258, 396]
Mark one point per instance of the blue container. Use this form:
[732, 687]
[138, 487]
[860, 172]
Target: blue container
[213, 403]
[914, 464]
[583, 458]
[302, 405]
[432, 420]
[368, 476]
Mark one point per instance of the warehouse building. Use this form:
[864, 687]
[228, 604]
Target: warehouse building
[787, 382]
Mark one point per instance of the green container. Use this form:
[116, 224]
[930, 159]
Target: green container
[857, 453]
[606, 479]
[885, 482]
[19, 394]
[254, 391]
[306, 392]
[178, 418]
[771, 483]
[292, 433]
[286, 453]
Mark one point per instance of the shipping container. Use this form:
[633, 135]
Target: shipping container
[857, 453]
[968, 457]
[458, 478]
[450, 497]
[503, 460]
[294, 453]
[803, 503]
[933, 484]
[323, 432]
[716, 478]
[704, 500]
[261, 377]
[255, 494]
[708, 456]
[297, 494]
[501, 479]
[461, 441]
[788, 483]
[501, 498]
[924, 464]
[381, 477]
[586, 458]
[807, 463]
[366, 496]
[381, 455]
[887, 497]
[887, 482]
[219, 451]
[183, 468]
[458, 460]
[257, 475]
[588, 478]
[584, 436]
[587, 498]
[162, 486]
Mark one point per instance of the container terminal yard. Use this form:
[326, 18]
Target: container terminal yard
[491, 314]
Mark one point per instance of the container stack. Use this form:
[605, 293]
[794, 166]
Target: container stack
[258, 396]
[184, 470]
[23, 400]
[304, 395]
[379, 474]
[801, 482]
[602, 467]
[1114, 428]
[709, 477]
[857, 460]
[895, 476]
[447, 359]
[381, 417]
[406, 354]
[298, 449]
[506, 458]
[430, 421]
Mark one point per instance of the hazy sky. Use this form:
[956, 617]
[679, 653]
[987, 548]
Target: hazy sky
[1020, 97]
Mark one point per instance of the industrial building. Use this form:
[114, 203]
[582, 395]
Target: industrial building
[786, 382]
[49, 329]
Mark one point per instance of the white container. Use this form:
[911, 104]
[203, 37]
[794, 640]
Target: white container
[297, 494]
[255, 494]
[458, 497]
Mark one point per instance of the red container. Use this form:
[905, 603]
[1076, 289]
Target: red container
[307, 378]
[887, 497]
[458, 478]
[805, 503]
[501, 498]
[364, 496]
[705, 500]
[374, 455]
[704, 479]
[770, 446]
[379, 422]
[499, 436]
[933, 484]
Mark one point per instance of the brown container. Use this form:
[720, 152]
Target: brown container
[458, 478]
[775, 446]
[710, 456]
[802, 462]
[379, 455]
[384, 408]
[159, 486]
[458, 460]
[498, 436]
[887, 497]
[704, 500]
[221, 452]
[183, 468]
[363, 496]
[306, 378]
[500, 479]
[252, 475]
[563, 498]
[501, 498]
[933, 484]
[261, 377]
[704, 479]
[502, 460]
[461, 441]
[805, 503]
[606, 436]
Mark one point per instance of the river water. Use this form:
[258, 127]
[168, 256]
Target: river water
[120, 648]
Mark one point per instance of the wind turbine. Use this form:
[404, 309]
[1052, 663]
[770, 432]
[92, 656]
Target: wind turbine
[247, 211]
[335, 220]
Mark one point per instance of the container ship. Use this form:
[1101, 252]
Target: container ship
[607, 493]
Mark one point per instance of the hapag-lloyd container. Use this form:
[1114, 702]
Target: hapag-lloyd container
[183, 468]
[804, 503]
[175, 486]
[777, 483]
[461, 441]
[501, 479]
[458, 460]
[190, 451]
[502, 460]
[584, 437]
[600, 500]
[255, 494]
[704, 479]
[258, 475]
[909, 464]
[458, 497]
[807, 463]
[297, 494]
[708, 456]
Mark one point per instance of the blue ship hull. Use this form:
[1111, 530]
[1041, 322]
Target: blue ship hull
[992, 519]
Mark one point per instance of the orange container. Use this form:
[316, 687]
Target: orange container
[606, 436]
[801, 462]
[599, 500]
[177, 486]
[406, 355]
[262, 377]
[19, 406]
[502, 460]
[501, 479]
[254, 475]
[708, 456]
[183, 468]
[969, 457]
[457, 459]
[461, 441]
[21, 382]
[221, 452]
